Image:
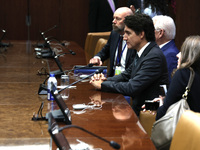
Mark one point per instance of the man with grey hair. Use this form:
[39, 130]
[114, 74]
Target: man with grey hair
[165, 32]
[116, 48]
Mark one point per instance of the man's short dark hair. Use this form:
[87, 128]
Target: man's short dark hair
[139, 23]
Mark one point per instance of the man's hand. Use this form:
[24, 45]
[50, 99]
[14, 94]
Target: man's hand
[95, 60]
[97, 79]
[97, 84]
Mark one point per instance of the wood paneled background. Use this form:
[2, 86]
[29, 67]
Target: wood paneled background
[71, 17]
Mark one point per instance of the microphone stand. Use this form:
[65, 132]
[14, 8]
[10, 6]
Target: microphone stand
[43, 88]
[96, 72]
[60, 71]
[113, 144]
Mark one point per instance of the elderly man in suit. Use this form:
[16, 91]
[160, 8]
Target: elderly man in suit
[165, 32]
[116, 48]
[148, 71]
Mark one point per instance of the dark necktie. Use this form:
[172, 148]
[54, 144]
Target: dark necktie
[118, 59]
[136, 59]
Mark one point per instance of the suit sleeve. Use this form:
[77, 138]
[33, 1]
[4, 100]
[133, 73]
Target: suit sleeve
[175, 91]
[171, 62]
[104, 54]
[149, 71]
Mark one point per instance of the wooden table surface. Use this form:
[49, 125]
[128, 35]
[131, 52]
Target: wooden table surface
[19, 84]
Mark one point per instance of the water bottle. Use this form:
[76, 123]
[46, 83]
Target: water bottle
[51, 87]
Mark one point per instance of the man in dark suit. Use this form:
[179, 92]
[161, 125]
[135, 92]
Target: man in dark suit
[124, 58]
[101, 14]
[144, 76]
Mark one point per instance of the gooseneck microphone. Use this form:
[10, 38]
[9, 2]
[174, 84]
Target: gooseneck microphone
[4, 33]
[3, 44]
[44, 45]
[96, 72]
[42, 33]
[64, 54]
[113, 144]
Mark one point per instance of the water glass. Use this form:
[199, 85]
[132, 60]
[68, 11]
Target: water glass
[64, 83]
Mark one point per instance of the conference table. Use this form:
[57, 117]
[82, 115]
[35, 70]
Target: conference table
[113, 119]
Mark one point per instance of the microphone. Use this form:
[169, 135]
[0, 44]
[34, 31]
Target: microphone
[72, 52]
[42, 33]
[96, 72]
[64, 54]
[60, 71]
[48, 54]
[4, 33]
[44, 38]
[3, 44]
[113, 144]
[59, 138]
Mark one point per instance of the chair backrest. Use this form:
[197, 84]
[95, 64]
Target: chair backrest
[147, 119]
[91, 41]
[187, 133]
[100, 44]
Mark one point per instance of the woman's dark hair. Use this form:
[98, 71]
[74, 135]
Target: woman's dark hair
[139, 23]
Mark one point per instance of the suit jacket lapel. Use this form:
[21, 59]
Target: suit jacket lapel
[114, 47]
[146, 51]
[130, 54]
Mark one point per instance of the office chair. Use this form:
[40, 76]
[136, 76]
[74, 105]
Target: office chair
[187, 133]
[100, 44]
[147, 119]
[91, 41]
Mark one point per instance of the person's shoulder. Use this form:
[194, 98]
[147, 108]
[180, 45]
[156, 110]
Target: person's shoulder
[154, 48]
[114, 33]
[182, 73]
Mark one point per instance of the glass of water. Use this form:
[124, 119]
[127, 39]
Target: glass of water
[64, 83]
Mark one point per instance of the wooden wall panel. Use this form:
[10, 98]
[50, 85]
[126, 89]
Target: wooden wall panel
[12, 18]
[71, 16]
[187, 19]
[44, 15]
[74, 22]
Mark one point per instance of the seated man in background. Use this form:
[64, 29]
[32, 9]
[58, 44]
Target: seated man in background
[148, 71]
[116, 48]
[165, 32]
